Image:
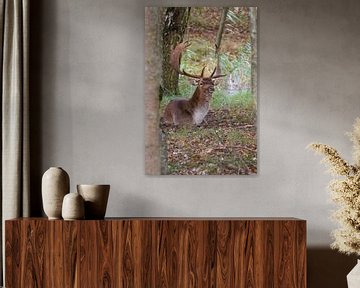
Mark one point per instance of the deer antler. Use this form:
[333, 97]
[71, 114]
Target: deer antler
[175, 60]
[216, 75]
[175, 57]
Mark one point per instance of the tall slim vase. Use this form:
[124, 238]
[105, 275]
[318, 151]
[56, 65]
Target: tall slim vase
[55, 185]
[353, 278]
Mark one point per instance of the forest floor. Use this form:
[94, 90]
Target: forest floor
[224, 144]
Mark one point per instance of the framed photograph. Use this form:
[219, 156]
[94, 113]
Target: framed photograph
[200, 90]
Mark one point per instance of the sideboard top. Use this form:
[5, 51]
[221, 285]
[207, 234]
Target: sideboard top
[174, 219]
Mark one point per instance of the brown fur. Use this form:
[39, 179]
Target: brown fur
[193, 110]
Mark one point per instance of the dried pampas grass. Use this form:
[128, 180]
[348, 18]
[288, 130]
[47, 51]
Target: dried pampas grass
[345, 191]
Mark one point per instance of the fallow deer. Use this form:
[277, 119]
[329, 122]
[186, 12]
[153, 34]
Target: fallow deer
[193, 110]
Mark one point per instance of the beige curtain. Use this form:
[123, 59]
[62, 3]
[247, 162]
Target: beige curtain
[14, 25]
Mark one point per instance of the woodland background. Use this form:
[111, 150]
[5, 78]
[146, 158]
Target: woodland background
[223, 37]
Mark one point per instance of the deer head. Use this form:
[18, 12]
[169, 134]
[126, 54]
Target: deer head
[194, 109]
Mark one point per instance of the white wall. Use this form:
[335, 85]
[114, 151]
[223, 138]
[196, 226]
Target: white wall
[90, 75]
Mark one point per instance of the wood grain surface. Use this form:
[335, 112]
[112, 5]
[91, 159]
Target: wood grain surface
[245, 253]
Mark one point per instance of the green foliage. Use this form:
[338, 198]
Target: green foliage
[221, 99]
[199, 54]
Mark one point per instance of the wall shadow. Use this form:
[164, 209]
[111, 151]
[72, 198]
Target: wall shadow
[327, 268]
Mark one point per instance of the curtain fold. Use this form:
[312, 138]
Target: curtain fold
[15, 162]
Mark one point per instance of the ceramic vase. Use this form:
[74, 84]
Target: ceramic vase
[55, 185]
[353, 278]
[73, 207]
[96, 198]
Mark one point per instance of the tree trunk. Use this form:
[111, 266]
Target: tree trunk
[221, 29]
[152, 81]
[175, 24]
[253, 35]
[218, 39]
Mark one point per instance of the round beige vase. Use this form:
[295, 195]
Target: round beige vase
[96, 198]
[55, 185]
[73, 207]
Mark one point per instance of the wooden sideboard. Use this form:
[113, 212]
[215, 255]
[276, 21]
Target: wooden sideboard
[156, 252]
